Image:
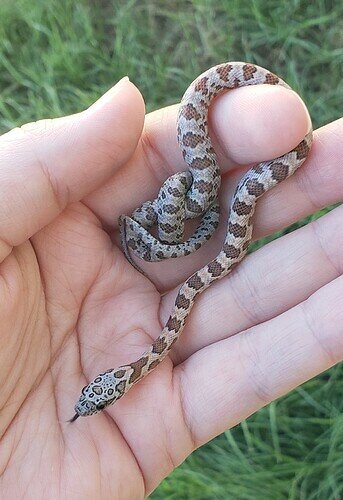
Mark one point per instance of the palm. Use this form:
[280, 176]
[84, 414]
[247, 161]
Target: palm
[72, 306]
[69, 280]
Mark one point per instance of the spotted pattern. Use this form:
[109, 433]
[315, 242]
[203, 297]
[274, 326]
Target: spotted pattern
[188, 195]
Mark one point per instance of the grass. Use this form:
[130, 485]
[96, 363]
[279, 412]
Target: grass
[58, 56]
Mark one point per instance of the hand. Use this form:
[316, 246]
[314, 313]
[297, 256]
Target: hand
[72, 306]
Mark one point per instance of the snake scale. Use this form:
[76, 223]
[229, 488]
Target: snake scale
[187, 195]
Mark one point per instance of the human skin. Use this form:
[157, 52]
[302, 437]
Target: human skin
[72, 306]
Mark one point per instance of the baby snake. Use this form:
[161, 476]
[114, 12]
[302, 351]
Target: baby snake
[188, 195]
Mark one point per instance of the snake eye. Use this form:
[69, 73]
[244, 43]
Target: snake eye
[101, 406]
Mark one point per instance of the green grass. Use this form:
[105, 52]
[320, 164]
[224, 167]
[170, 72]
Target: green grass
[58, 56]
[291, 449]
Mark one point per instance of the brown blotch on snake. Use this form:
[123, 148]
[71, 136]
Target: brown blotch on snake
[223, 72]
[173, 324]
[237, 230]
[201, 85]
[241, 208]
[272, 79]
[215, 268]
[159, 345]
[279, 171]
[137, 367]
[255, 187]
[192, 140]
[203, 176]
[302, 150]
[248, 71]
[190, 112]
[195, 282]
[182, 301]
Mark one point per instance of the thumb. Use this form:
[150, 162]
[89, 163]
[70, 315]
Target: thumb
[48, 164]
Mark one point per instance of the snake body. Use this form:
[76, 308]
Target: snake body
[188, 195]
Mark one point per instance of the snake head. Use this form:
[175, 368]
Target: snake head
[103, 391]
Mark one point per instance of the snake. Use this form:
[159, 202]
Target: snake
[188, 195]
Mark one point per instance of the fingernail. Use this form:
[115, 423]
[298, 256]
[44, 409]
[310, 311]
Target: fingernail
[108, 96]
[123, 80]
[309, 122]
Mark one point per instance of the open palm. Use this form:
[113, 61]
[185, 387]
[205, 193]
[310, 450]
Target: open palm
[72, 306]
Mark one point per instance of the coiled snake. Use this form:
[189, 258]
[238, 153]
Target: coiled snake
[187, 195]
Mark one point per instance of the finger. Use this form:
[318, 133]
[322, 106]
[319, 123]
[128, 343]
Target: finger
[273, 108]
[317, 183]
[266, 283]
[46, 165]
[247, 125]
[226, 382]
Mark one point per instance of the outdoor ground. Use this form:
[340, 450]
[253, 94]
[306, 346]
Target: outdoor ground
[58, 56]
